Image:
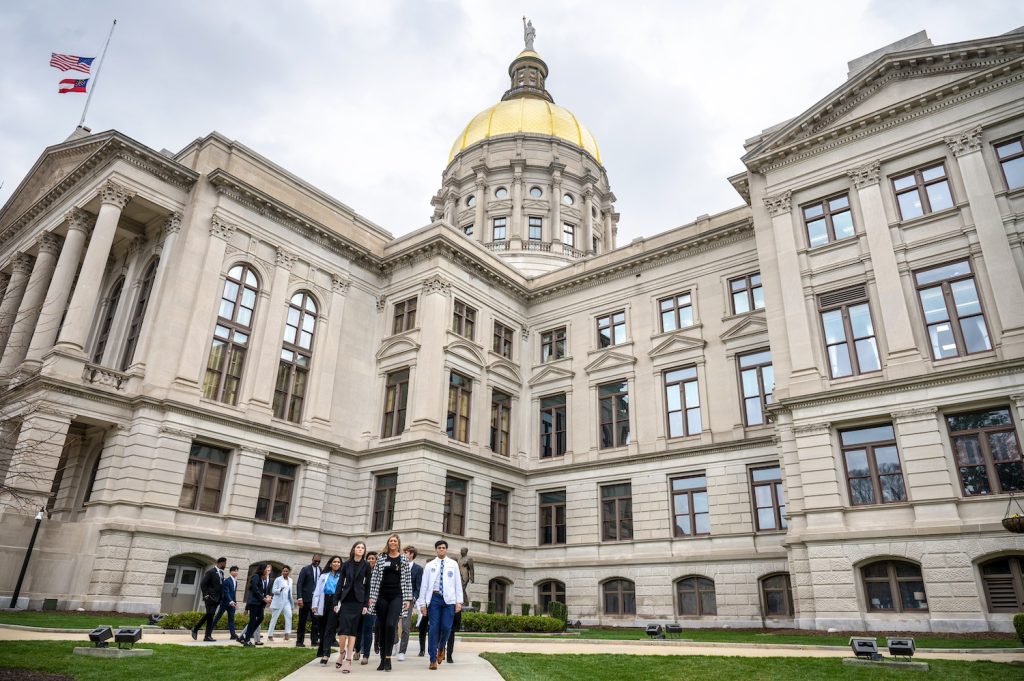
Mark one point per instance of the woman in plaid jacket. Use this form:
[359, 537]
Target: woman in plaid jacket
[390, 595]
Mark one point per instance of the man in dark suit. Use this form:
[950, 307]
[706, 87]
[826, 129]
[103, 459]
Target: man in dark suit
[212, 588]
[304, 587]
[227, 600]
[257, 601]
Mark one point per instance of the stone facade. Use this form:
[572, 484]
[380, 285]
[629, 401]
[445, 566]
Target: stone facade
[160, 400]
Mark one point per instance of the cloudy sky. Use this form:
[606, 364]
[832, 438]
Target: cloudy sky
[364, 99]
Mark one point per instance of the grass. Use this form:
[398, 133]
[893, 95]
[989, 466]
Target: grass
[69, 620]
[529, 667]
[168, 662]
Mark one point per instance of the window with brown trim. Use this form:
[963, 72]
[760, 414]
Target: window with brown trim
[499, 515]
[464, 320]
[617, 512]
[695, 597]
[384, 488]
[769, 498]
[535, 225]
[504, 337]
[987, 452]
[460, 393]
[275, 498]
[296, 357]
[828, 220]
[922, 191]
[552, 426]
[454, 505]
[676, 312]
[1003, 581]
[497, 596]
[757, 383]
[1011, 160]
[405, 316]
[396, 395]
[501, 422]
[690, 511]
[499, 231]
[551, 512]
[204, 478]
[872, 463]
[619, 597]
[467, 229]
[747, 293]
[847, 322]
[551, 591]
[139, 314]
[552, 345]
[894, 586]
[611, 329]
[569, 234]
[107, 320]
[613, 415]
[682, 402]
[952, 310]
[231, 335]
[777, 595]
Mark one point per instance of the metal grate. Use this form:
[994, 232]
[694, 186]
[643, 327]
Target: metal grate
[844, 296]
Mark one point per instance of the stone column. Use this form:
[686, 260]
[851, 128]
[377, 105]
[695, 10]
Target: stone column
[5, 279]
[172, 227]
[555, 228]
[311, 496]
[326, 346]
[892, 302]
[428, 392]
[31, 304]
[517, 207]
[79, 222]
[1007, 289]
[125, 305]
[35, 458]
[480, 217]
[265, 344]
[609, 235]
[243, 490]
[583, 243]
[450, 208]
[21, 270]
[78, 322]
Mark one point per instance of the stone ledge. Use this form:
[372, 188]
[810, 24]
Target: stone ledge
[887, 664]
[114, 652]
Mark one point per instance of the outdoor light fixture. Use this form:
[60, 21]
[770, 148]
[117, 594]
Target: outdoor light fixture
[654, 631]
[674, 629]
[902, 647]
[865, 647]
[126, 638]
[100, 635]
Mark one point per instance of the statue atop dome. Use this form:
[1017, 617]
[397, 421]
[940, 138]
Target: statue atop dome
[529, 33]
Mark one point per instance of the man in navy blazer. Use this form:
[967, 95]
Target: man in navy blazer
[227, 600]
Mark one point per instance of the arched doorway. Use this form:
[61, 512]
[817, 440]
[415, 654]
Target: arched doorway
[181, 582]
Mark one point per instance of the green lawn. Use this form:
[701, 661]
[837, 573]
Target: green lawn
[168, 662]
[528, 667]
[69, 620]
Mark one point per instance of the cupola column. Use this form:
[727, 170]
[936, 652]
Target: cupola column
[556, 209]
[517, 208]
[480, 218]
[584, 242]
[450, 209]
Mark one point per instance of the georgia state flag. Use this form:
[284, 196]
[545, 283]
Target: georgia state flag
[72, 85]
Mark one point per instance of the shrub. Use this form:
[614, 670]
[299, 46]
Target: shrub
[559, 612]
[491, 606]
[476, 605]
[525, 608]
[188, 620]
[508, 608]
[475, 621]
[1018, 624]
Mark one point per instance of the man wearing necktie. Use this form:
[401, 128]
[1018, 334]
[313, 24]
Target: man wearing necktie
[304, 588]
[439, 599]
[211, 586]
[227, 600]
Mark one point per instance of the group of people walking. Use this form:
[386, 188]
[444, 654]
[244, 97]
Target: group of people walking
[362, 603]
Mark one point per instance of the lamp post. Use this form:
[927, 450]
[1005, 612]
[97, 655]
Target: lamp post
[24, 563]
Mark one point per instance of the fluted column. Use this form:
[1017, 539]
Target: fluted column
[269, 335]
[428, 399]
[899, 335]
[129, 293]
[1007, 288]
[583, 243]
[480, 218]
[75, 332]
[31, 304]
[21, 269]
[517, 208]
[172, 226]
[78, 222]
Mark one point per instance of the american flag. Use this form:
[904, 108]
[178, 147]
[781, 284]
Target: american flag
[69, 62]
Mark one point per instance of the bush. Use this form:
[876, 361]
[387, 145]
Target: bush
[525, 608]
[508, 608]
[1018, 624]
[491, 606]
[559, 612]
[476, 605]
[188, 620]
[475, 621]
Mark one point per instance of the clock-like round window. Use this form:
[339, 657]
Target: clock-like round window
[500, 193]
[536, 192]
[568, 200]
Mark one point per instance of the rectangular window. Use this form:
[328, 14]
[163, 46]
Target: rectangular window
[499, 515]
[552, 345]
[468, 229]
[952, 310]
[503, 339]
[747, 293]
[922, 192]
[501, 422]
[676, 312]
[987, 452]
[593, 244]
[460, 390]
[847, 322]
[1011, 159]
[455, 505]
[536, 225]
[405, 316]
[552, 517]
[873, 465]
[384, 490]
[204, 478]
[498, 229]
[275, 491]
[757, 382]
[690, 506]
[613, 414]
[827, 221]
[569, 234]
[552, 426]
[464, 320]
[682, 402]
[396, 395]
[611, 329]
[617, 512]
[769, 498]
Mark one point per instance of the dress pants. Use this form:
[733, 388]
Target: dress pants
[275, 613]
[389, 611]
[456, 626]
[305, 615]
[364, 642]
[255, 620]
[208, 619]
[423, 624]
[328, 625]
[225, 608]
[441, 616]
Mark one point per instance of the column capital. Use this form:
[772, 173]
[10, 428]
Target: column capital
[285, 260]
[49, 243]
[339, 284]
[436, 284]
[865, 175]
[78, 219]
[965, 142]
[914, 414]
[115, 194]
[21, 263]
[172, 225]
[382, 302]
[221, 228]
[778, 203]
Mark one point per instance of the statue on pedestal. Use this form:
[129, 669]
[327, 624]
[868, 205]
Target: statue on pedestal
[467, 573]
[529, 33]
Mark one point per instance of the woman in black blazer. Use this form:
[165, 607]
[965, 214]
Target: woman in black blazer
[350, 603]
[259, 597]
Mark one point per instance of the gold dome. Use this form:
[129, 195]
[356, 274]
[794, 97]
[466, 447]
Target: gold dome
[526, 115]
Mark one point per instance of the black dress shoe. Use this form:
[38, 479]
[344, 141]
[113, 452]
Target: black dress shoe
[382, 665]
[449, 659]
[195, 633]
[258, 643]
[422, 653]
[387, 664]
[209, 639]
[300, 644]
[233, 637]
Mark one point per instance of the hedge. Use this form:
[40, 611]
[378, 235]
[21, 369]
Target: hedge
[1018, 624]
[475, 621]
[558, 611]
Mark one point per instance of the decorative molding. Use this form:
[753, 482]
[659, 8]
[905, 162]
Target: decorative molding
[107, 378]
[135, 245]
[812, 428]
[220, 228]
[339, 284]
[965, 142]
[382, 303]
[22, 263]
[49, 243]
[251, 449]
[285, 260]
[437, 284]
[172, 225]
[865, 175]
[913, 414]
[779, 203]
[170, 430]
[115, 194]
[78, 219]
[524, 333]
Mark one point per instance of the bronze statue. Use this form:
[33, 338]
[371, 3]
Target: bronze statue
[467, 573]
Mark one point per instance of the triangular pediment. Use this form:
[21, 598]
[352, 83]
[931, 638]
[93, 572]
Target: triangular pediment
[467, 351]
[396, 346]
[748, 326]
[549, 374]
[506, 370]
[676, 342]
[610, 359]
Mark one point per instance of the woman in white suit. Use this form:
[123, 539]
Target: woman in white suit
[281, 602]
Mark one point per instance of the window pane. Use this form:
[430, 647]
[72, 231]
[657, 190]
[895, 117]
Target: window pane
[817, 233]
[766, 518]
[691, 394]
[752, 406]
[860, 321]
[879, 596]
[939, 196]
[833, 322]
[1014, 173]
[904, 182]
[702, 523]
[951, 271]
[975, 334]
[838, 203]
[740, 303]
[933, 173]
[843, 224]
[814, 211]
[934, 305]
[675, 424]
[696, 482]
[857, 463]
[942, 339]
[668, 321]
[1011, 476]
[910, 205]
[965, 296]
[867, 355]
[839, 360]
[968, 450]
[750, 385]
[863, 435]
[693, 421]
[1004, 446]
[912, 596]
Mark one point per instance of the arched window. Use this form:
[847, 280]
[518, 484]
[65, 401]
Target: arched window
[231, 335]
[1003, 579]
[619, 597]
[138, 314]
[894, 586]
[296, 356]
[497, 593]
[777, 595]
[549, 592]
[695, 597]
[109, 309]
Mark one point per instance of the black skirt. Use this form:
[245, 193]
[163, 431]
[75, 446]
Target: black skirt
[348, 618]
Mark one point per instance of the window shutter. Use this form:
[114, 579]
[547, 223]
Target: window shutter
[842, 297]
[1002, 597]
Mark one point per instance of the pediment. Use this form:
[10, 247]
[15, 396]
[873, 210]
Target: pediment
[610, 359]
[505, 369]
[396, 346]
[550, 374]
[892, 93]
[676, 342]
[748, 326]
[467, 351]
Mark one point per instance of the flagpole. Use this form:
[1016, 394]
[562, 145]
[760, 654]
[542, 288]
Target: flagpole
[96, 78]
